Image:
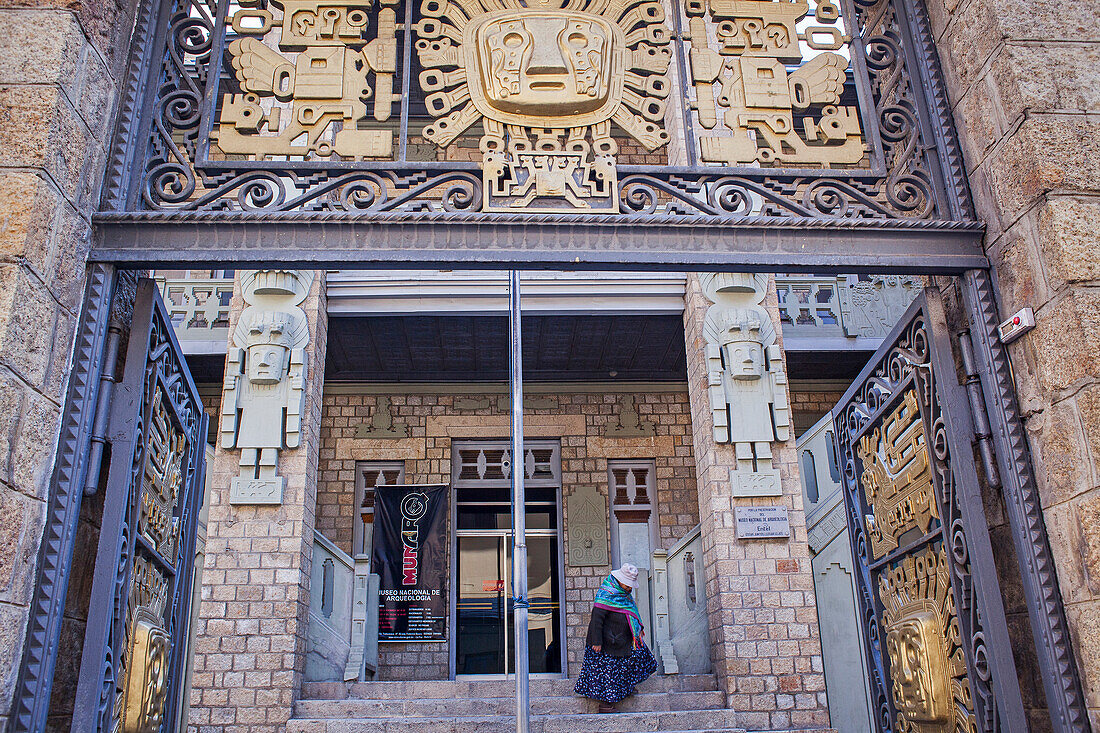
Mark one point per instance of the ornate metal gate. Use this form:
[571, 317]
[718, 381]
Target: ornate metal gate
[930, 606]
[133, 660]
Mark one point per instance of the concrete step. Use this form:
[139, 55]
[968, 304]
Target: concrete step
[716, 721]
[500, 705]
[451, 689]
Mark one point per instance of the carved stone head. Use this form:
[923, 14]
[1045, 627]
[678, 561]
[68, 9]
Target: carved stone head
[546, 63]
[742, 343]
[268, 348]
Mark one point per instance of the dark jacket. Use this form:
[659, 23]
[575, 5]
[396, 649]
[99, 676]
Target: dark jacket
[610, 630]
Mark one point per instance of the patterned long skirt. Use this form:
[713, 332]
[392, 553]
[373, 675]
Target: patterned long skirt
[610, 679]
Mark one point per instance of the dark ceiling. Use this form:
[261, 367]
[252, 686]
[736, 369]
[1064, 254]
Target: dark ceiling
[556, 348]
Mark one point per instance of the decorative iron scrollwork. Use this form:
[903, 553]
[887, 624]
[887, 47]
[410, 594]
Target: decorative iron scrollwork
[433, 107]
[915, 590]
[131, 670]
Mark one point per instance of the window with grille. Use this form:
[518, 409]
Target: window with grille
[632, 490]
[489, 463]
[368, 475]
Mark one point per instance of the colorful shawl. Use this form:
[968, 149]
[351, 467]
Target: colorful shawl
[613, 597]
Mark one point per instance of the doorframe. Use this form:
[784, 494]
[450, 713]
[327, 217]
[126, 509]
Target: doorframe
[452, 604]
[106, 274]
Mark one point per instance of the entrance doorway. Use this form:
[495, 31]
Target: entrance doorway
[482, 607]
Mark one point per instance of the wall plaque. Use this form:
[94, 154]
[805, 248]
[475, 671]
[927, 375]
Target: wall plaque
[586, 510]
[762, 482]
[762, 522]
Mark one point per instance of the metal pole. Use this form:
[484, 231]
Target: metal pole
[519, 517]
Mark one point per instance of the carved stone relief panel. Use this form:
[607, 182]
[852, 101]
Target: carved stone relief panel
[265, 381]
[747, 383]
[754, 108]
[546, 81]
[586, 512]
[304, 70]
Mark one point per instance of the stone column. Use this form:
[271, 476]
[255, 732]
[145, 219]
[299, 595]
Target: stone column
[253, 617]
[765, 643]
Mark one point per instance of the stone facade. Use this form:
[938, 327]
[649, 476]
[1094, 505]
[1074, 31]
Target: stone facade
[810, 403]
[249, 649]
[578, 419]
[1023, 82]
[765, 641]
[59, 73]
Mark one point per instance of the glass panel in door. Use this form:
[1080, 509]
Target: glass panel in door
[483, 588]
[485, 632]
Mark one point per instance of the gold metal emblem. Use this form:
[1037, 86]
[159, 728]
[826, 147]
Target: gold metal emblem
[143, 672]
[163, 481]
[308, 98]
[547, 81]
[140, 707]
[740, 51]
[896, 477]
[927, 669]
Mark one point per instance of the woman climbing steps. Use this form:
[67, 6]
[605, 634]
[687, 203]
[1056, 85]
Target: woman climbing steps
[616, 658]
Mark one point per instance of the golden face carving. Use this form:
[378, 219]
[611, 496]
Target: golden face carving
[918, 666]
[545, 64]
[146, 686]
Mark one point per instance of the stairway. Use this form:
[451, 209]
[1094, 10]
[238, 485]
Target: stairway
[673, 704]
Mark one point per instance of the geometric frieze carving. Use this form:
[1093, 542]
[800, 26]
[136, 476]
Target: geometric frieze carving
[754, 110]
[897, 477]
[761, 482]
[927, 665]
[546, 80]
[629, 424]
[382, 424]
[871, 307]
[586, 509]
[747, 383]
[264, 385]
[307, 95]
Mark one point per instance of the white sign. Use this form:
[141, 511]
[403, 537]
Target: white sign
[762, 482]
[762, 522]
[256, 490]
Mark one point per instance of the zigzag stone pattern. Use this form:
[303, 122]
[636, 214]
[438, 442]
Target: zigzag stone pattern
[32, 697]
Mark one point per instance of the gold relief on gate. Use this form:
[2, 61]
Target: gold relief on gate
[929, 686]
[144, 670]
[547, 80]
[162, 485]
[308, 97]
[755, 109]
[897, 477]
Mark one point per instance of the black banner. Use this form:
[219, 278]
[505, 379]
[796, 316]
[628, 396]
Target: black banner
[410, 556]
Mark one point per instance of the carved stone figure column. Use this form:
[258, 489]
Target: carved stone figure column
[765, 642]
[251, 635]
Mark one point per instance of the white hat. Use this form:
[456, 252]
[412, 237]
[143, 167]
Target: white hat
[627, 575]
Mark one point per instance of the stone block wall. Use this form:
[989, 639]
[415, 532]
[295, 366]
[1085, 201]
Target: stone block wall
[578, 419]
[60, 71]
[810, 403]
[1024, 83]
[765, 641]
